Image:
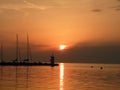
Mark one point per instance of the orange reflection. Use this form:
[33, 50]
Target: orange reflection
[61, 76]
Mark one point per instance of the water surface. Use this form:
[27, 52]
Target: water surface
[67, 76]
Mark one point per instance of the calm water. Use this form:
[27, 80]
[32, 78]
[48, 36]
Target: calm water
[67, 76]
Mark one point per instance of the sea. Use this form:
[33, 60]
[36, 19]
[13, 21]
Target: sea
[66, 76]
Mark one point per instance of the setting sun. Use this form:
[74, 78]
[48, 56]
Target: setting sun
[62, 47]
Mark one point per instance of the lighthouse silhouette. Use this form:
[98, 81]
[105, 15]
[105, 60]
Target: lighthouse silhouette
[52, 60]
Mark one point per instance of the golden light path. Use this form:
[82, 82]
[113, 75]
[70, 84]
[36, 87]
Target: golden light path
[61, 76]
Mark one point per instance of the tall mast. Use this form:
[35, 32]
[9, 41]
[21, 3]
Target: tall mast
[29, 56]
[1, 52]
[28, 51]
[17, 51]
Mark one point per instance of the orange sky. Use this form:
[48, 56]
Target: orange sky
[54, 22]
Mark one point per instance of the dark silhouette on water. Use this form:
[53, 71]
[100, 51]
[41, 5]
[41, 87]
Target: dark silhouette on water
[52, 60]
[101, 68]
[25, 62]
[91, 66]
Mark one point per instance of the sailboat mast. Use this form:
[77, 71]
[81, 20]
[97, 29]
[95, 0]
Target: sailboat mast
[28, 48]
[17, 51]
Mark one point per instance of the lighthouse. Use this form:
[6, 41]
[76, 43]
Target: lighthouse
[52, 60]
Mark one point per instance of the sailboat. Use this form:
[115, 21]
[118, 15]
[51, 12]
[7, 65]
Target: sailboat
[25, 62]
[17, 51]
[28, 51]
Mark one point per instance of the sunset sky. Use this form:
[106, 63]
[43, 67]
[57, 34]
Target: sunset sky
[90, 29]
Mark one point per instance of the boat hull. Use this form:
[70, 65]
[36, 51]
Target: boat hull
[27, 64]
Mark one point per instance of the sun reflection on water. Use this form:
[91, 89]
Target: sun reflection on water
[61, 76]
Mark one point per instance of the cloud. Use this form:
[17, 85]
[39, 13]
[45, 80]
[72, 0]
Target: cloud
[32, 5]
[10, 13]
[117, 7]
[39, 46]
[8, 2]
[96, 10]
[20, 5]
[94, 54]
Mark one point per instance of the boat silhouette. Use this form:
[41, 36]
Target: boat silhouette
[25, 62]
